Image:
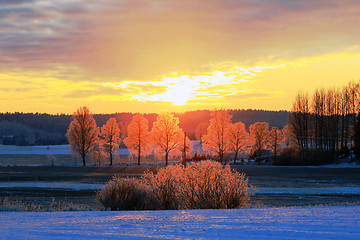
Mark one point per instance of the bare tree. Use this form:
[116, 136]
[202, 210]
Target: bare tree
[82, 133]
[288, 134]
[138, 140]
[238, 138]
[216, 139]
[167, 136]
[110, 138]
[201, 130]
[300, 118]
[259, 133]
[275, 141]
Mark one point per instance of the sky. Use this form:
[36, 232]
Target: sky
[178, 55]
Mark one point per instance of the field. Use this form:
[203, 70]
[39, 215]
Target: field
[291, 202]
[336, 222]
[276, 186]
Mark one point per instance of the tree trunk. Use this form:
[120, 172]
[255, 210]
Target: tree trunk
[83, 155]
[236, 153]
[111, 154]
[166, 158]
[221, 155]
[184, 151]
[139, 154]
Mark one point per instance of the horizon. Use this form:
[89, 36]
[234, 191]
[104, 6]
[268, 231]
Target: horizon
[178, 56]
[111, 113]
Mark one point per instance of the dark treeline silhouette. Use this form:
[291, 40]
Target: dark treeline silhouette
[47, 129]
[323, 126]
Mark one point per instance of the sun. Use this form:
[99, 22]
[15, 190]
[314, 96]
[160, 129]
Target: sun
[178, 95]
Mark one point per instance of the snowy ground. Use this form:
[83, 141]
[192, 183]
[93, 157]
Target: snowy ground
[43, 150]
[336, 222]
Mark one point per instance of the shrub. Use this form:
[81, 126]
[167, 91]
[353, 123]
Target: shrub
[204, 185]
[127, 194]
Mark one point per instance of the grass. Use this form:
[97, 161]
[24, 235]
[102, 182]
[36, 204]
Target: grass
[12, 204]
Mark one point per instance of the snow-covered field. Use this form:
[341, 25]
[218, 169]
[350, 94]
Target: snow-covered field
[43, 150]
[336, 222]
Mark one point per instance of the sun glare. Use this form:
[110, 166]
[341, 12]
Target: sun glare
[179, 90]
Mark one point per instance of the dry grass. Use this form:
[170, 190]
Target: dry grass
[8, 204]
[201, 185]
[127, 194]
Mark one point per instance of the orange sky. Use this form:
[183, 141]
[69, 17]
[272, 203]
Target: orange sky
[154, 56]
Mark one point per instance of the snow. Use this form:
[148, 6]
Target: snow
[311, 191]
[44, 150]
[335, 222]
[51, 149]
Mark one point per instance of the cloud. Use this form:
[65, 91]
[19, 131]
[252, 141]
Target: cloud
[176, 88]
[145, 39]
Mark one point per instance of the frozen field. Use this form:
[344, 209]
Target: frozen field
[336, 222]
[43, 150]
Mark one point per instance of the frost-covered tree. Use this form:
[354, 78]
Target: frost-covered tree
[138, 140]
[216, 139]
[201, 130]
[275, 141]
[167, 136]
[238, 138]
[110, 138]
[288, 134]
[259, 133]
[82, 133]
[97, 155]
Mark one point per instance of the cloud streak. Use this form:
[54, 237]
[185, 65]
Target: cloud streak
[78, 51]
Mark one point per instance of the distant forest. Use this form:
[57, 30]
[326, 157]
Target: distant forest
[46, 129]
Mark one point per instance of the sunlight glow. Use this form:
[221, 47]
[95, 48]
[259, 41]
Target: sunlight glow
[182, 89]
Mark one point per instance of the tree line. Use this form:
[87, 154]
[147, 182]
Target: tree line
[323, 125]
[220, 139]
[322, 128]
[48, 129]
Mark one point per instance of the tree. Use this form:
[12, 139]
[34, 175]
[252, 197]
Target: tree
[201, 130]
[288, 134]
[216, 139]
[110, 138]
[357, 137]
[300, 120]
[259, 133]
[82, 133]
[97, 155]
[238, 138]
[138, 140]
[167, 136]
[275, 140]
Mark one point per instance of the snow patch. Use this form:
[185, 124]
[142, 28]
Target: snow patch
[336, 222]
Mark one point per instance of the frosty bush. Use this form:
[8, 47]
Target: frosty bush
[127, 194]
[204, 185]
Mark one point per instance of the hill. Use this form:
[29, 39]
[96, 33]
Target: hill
[46, 129]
